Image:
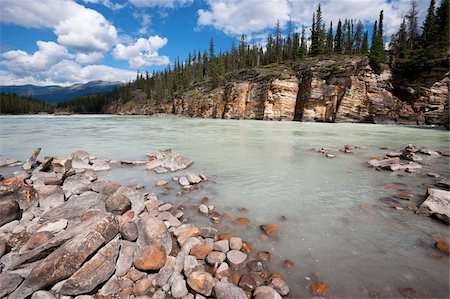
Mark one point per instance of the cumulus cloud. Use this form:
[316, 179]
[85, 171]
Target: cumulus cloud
[89, 58]
[76, 26]
[107, 3]
[144, 52]
[145, 21]
[21, 62]
[161, 3]
[244, 17]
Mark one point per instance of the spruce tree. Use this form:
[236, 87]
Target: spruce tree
[296, 46]
[338, 39]
[303, 51]
[329, 39]
[318, 41]
[348, 37]
[358, 38]
[365, 43]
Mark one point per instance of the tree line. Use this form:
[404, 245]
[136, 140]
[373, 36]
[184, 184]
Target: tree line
[11, 103]
[412, 51]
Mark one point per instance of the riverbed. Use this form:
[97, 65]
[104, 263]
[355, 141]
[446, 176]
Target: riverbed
[336, 221]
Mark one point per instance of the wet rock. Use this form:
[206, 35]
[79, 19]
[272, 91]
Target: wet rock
[165, 207]
[38, 239]
[201, 282]
[53, 227]
[8, 283]
[288, 264]
[236, 259]
[43, 295]
[100, 165]
[193, 178]
[383, 162]
[129, 231]
[168, 159]
[265, 292]
[215, 257]
[247, 282]
[226, 290]
[408, 292]
[161, 183]
[443, 246]
[126, 257]
[430, 152]
[50, 196]
[442, 183]
[142, 286]
[270, 228]
[437, 204]
[319, 288]
[235, 243]
[242, 221]
[394, 154]
[172, 220]
[117, 204]
[203, 209]
[246, 247]
[9, 211]
[178, 288]
[263, 255]
[183, 181]
[280, 286]
[256, 266]
[184, 232]
[208, 232]
[200, 251]
[7, 162]
[222, 246]
[150, 257]
[404, 195]
[160, 170]
[68, 258]
[153, 231]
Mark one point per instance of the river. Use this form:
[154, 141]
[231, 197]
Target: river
[334, 225]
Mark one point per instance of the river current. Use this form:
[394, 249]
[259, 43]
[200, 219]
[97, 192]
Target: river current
[336, 225]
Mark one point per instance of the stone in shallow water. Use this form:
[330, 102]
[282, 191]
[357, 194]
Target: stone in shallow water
[193, 178]
[183, 181]
[437, 204]
[168, 159]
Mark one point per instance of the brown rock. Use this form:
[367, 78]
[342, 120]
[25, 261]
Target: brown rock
[242, 221]
[200, 251]
[270, 228]
[287, 264]
[404, 196]
[442, 246]
[265, 292]
[201, 282]
[319, 289]
[184, 232]
[408, 292]
[118, 204]
[151, 257]
[280, 286]
[215, 257]
[225, 236]
[263, 255]
[38, 239]
[129, 231]
[246, 247]
[94, 272]
[9, 211]
[247, 282]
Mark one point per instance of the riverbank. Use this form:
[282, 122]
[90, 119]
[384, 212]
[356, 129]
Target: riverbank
[65, 232]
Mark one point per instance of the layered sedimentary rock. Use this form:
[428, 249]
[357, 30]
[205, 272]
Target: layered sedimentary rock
[325, 89]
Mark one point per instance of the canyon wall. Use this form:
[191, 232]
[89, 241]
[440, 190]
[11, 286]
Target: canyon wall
[333, 89]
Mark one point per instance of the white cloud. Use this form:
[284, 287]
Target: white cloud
[161, 3]
[144, 52]
[107, 3]
[49, 53]
[244, 17]
[76, 26]
[89, 58]
[145, 20]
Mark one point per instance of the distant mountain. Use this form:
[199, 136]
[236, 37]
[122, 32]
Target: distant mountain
[55, 93]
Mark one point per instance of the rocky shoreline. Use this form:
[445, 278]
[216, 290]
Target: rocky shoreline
[66, 234]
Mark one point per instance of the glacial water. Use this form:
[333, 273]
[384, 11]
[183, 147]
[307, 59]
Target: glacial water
[334, 224]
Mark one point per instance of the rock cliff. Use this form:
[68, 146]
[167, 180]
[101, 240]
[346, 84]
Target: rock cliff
[331, 89]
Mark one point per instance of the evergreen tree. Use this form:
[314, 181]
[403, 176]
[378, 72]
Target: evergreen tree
[296, 46]
[412, 26]
[329, 39]
[303, 51]
[443, 25]
[318, 39]
[365, 43]
[348, 38]
[338, 39]
[358, 38]
[278, 42]
[377, 54]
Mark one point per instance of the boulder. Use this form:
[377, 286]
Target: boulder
[50, 196]
[436, 204]
[236, 259]
[117, 204]
[221, 245]
[153, 231]
[30, 162]
[9, 211]
[126, 257]
[142, 287]
[104, 187]
[8, 283]
[200, 251]
[77, 184]
[151, 257]
[53, 227]
[266, 292]
[68, 258]
[226, 290]
[94, 272]
[43, 295]
[136, 198]
[384, 162]
[38, 239]
[129, 231]
[201, 282]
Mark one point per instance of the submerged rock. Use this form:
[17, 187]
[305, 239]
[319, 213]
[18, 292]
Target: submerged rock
[168, 159]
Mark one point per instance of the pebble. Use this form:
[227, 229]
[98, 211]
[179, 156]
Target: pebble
[222, 246]
[183, 181]
[270, 228]
[236, 259]
[235, 243]
[215, 257]
[203, 209]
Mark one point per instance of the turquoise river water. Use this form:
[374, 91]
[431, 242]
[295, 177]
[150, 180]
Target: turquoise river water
[334, 224]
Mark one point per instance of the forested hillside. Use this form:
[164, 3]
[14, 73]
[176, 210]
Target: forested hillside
[11, 103]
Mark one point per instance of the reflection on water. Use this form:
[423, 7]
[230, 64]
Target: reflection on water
[332, 221]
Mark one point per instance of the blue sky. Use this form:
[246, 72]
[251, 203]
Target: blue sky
[71, 41]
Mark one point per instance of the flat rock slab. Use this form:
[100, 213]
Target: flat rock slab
[8, 283]
[168, 159]
[437, 204]
[94, 272]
